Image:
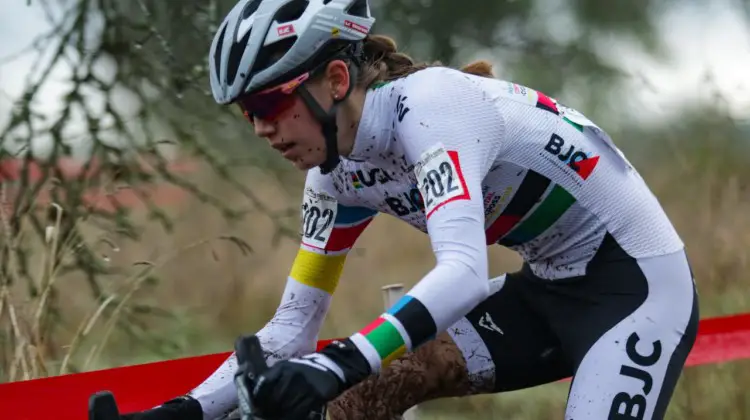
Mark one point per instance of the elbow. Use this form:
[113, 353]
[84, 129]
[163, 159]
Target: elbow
[473, 279]
[452, 289]
[480, 286]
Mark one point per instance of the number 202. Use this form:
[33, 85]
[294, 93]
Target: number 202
[437, 183]
[313, 218]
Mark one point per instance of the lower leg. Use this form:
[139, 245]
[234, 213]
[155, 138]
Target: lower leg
[435, 370]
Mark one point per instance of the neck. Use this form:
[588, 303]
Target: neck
[347, 120]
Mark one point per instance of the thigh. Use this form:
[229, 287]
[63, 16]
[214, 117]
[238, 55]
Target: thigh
[630, 347]
[506, 344]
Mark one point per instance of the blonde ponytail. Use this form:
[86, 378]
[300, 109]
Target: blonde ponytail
[480, 68]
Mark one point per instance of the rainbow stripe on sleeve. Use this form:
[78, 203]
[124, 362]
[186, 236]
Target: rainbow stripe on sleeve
[321, 267]
[350, 222]
[404, 327]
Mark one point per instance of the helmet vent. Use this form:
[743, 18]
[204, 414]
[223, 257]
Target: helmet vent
[269, 55]
[217, 52]
[291, 11]
[235, 57]
[250, 8]
[359, 8]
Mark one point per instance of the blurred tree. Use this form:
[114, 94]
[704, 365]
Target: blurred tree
[546, 44]
[136, 73]
[134, 95]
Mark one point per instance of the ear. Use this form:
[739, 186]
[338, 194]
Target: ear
[337, 78]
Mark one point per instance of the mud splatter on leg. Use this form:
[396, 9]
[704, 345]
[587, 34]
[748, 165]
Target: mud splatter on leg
[435, 370]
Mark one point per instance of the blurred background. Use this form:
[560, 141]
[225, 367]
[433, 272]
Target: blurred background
[140, 221]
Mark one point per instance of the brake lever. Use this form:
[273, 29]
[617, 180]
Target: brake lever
[250, 365]
[102, 406]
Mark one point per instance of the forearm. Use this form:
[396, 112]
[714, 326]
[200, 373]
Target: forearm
[417, 318]
[294, 328]
[291, 332]
[450, 290]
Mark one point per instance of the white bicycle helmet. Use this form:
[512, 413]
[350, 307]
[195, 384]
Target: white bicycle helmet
[241, 51]
[307, 33]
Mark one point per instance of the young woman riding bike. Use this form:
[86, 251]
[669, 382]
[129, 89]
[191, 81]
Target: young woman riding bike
[605, 294]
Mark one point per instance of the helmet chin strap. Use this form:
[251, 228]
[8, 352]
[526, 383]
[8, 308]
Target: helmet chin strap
[327, 120]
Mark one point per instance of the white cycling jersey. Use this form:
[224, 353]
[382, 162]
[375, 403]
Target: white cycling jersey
[471, 161]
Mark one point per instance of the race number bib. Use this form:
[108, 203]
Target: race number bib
[440, 179]
[318, 215]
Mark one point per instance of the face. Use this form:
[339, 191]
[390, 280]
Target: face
[281, 117]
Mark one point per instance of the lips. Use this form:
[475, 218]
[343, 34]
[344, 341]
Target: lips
[283, 147]
[287, 149]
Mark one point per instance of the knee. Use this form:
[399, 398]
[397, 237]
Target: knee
[442, 362]
[435, 370]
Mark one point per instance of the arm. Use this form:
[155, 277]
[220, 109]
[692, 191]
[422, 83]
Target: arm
[451, 136]
[329, 230]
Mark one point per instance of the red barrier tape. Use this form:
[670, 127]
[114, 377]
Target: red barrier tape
[143, 386]
[721, 339]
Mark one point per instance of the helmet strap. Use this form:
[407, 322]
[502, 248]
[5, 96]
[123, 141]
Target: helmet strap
[327, 120]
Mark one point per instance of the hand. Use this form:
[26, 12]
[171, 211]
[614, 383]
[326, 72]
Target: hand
[297, 388]
[181, 408]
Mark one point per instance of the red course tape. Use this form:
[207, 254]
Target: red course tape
[143, 386]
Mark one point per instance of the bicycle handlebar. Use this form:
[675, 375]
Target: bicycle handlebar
[251, 363]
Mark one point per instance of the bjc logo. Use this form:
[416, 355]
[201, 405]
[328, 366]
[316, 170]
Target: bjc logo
[286, 29]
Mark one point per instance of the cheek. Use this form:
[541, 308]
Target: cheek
[293, 122]
[299, 125]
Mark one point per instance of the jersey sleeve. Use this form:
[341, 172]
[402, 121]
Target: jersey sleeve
[451, 134]
[328, 229]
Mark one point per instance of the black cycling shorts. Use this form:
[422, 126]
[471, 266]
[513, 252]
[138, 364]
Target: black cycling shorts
[623, 331]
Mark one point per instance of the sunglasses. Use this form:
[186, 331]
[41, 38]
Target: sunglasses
[270, 103]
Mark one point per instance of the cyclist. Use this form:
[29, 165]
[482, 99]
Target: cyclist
[605, 294]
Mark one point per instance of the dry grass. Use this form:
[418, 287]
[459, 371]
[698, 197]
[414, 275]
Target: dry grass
[214, 292]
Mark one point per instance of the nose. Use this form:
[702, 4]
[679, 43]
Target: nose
[263, 128]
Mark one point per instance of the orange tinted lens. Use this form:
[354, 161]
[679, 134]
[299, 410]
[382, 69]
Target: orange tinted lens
[266, 106]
